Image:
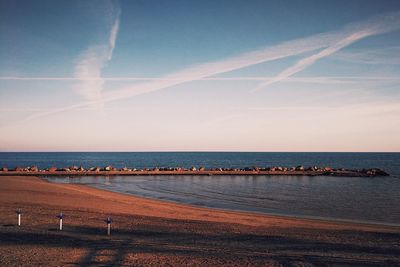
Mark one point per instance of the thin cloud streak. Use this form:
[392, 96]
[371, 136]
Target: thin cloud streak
[92, 61]
[327, 41]
[381, 56]
[305, 79]
[113, 36]
[381, 25]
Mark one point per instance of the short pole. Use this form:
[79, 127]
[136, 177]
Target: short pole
[19, 216]
[109, 221]
[61, 216]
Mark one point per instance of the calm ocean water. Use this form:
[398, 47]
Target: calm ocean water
[344, 198]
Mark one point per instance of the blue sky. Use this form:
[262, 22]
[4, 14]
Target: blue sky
[199, 75]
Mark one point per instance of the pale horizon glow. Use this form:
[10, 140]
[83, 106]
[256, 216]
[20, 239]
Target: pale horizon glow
[332, 89]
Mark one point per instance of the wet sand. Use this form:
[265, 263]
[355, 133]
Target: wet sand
[148, 232]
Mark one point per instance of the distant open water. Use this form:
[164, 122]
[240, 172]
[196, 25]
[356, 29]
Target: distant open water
[374, 200]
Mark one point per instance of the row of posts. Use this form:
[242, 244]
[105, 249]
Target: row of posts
[61, 217]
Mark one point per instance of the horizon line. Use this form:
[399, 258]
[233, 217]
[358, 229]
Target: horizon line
[199, 151]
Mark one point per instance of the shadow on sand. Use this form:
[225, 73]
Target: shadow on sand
[253, 248]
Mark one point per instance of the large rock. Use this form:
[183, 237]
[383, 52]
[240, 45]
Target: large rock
[81, 169]
[375, 172]
[74, 168]
[34, 169]
[300, 168]
[52, 169]
[108, 168]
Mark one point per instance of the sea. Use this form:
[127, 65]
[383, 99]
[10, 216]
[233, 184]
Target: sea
[373, 200]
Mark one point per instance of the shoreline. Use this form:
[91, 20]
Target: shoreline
[288, 216]
[109, 193]
[154, 232]
[86, 188]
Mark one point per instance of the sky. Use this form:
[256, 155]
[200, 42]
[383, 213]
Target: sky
[146, 75]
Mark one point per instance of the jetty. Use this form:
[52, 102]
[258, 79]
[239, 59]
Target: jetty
[111, 171]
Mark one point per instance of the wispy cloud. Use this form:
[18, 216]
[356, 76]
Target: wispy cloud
[113, 35]
[303, 79]
[92, 61]
[329, 43]
[379, 25]
[380, 56]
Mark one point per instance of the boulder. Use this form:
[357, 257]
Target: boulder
[52, 169]
[299, 168]
[74, 168]
[376, 172]
[108, 168]
[34, 169]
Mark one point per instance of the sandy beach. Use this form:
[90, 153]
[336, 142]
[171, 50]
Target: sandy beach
[148, 232]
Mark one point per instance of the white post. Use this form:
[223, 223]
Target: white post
[19, 216]
[109, 221]
[60, 224]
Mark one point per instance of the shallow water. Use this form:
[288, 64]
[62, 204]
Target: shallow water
[373, 200]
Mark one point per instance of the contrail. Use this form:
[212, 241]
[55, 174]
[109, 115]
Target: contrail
[93, 60]
[380, 25]
[304, 79]
[326, 41]
[113, 37]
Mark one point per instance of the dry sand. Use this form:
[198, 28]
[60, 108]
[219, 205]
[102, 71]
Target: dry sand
[153, 233]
